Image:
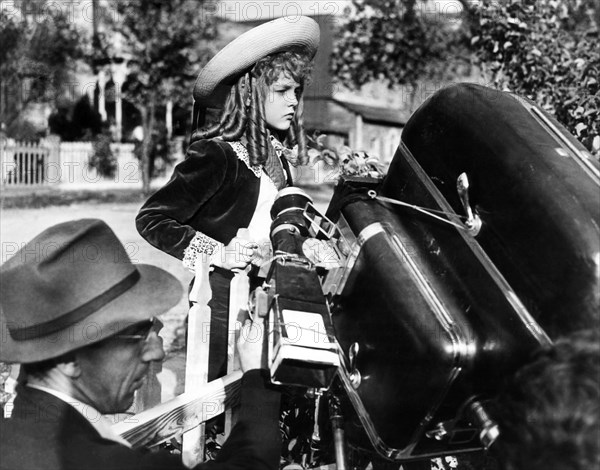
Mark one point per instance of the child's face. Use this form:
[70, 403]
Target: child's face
[281, 102]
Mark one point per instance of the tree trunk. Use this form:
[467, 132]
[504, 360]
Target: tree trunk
[409, 14]
[468, 13]
[148, 120]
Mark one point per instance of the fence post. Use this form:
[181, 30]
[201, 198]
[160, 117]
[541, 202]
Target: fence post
[3, 159]
[53, 173]
[128, 166]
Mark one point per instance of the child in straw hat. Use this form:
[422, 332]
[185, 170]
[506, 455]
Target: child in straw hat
[214, 212]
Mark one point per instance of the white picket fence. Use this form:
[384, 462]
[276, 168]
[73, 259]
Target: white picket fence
[76, 170]
[24, 163]
[67, 164]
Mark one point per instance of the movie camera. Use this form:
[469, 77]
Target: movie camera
[413, 298]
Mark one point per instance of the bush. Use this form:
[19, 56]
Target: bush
[159, 157]
[103, 159]
[23, 130]
[546, 50]
[84, 124]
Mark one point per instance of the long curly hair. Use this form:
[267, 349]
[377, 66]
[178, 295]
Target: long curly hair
[244, 111]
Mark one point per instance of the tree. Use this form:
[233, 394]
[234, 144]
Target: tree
[166, 46]
[545, 50]
[36, 58]
[389, 39]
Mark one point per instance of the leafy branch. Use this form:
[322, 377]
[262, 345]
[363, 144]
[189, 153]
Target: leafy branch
[351, 162]
[546, 50]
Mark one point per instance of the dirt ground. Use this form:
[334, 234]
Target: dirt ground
[19, 225]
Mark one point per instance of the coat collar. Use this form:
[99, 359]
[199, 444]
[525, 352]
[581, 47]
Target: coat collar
[38, 406]
[91, 415]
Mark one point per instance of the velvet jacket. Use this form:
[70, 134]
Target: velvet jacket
[45, 433]
[212, 191]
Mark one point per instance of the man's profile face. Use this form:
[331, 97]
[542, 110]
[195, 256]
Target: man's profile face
[112, 370]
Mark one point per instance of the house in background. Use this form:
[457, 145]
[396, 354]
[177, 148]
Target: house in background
[363, 122]
[349, 118]
[369, 120]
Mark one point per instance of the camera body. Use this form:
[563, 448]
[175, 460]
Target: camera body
[302, 349]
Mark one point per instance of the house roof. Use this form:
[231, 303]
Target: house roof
[375, 113]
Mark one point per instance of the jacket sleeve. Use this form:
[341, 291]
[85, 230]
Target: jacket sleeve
[253, 444]
[164, 219]
[255, 440]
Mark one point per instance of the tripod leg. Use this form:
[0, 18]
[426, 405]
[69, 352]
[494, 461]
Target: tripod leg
[337, 428]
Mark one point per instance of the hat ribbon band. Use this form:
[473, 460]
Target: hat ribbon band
[81, 312]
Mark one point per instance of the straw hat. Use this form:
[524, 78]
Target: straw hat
[74, 285]
[283, 34]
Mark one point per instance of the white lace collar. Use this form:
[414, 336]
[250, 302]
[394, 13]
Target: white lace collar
[242, 154]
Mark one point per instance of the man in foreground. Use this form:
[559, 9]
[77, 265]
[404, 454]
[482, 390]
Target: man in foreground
[78, 316]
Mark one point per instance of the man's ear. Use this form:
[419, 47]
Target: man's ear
[70, 367]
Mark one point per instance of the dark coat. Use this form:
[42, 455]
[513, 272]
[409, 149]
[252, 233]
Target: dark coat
[45, 433]
[212, 191]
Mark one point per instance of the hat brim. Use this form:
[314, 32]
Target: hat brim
[299, 33]
[156, 292]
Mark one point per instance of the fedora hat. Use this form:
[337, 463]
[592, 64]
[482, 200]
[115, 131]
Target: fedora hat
[289, 33]
[74, 285]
